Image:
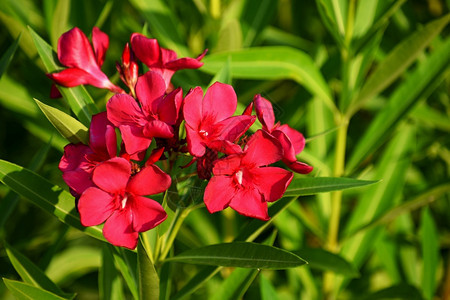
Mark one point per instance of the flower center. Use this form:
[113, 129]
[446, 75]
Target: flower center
[238, 176]
[203, 133]
[124, 201]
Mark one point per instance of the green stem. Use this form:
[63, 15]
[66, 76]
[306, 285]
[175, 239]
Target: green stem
[178, 219]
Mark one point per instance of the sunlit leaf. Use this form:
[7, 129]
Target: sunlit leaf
[430, 252]
[70, 128]
[25, 291]
[313, 185]
[273, 63]
[110, 283]
[148, 278]
[45, 195]
[7, 56]
[240, 254]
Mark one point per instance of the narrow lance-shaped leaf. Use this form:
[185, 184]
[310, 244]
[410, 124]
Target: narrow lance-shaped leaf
[420, 82]
[31, 274]
[45, 195]
[430, 252]
[148, 278]
[242, 255]
[6, 58]
[78, 98]
[273, 63]
[313, 185]
[398, 60]
[109, 281]
[70, 128]
[25, 291]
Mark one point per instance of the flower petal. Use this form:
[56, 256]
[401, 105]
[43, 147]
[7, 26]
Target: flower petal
[150, 180]
[112, 175]
[146, 50]
[147, 213]
[195, 143]
[286, 145]
[78, 180]
[192, 108]
[262, 149]
[150, 90]
[264, 111]
[75, 51]
[299, 167]
[234, 127]
[227, 166]
[218, 193]
[102, 137]
[225, 146]
[157, 128]
[220, 102]
[134, 139]
[183, 63]
[118, 229]
[272, 182]
[95, 206]
[297, 139]
[100, 41]
[123, 110]
[169, 108]
[249, 202]
[74, 155]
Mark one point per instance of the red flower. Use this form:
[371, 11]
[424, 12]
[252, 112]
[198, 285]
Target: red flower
[161, 60]
[75, 52]
[118, 200]
[241, 182]
[290, 139]
[155, 116]
[211, 120]
[79, 160]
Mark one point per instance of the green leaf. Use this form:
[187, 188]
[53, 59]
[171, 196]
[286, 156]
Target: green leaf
[400, 291]
[273, 63]
[78, 98]
[194, 283]
[148, 278]
[398, 60]
[126, 263]
[430, 252]
[73, 263]
[313, 185]
[59, 22]
[326, 261]
[420, 82]
[7, 57]
[31, 274]
[25, 291]
[241, 255]
[255, 16]
[44, 194]
[236, 284]
[70, 128]
[266, 288]
[110, 284]
[224, 75]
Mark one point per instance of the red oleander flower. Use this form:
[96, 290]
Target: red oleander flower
[128, 69]
[83, 62]
[118, 198]
[161, 60]
[79, 160]
[211, 120]
[154, 117]
[243, 182]
[290, 139]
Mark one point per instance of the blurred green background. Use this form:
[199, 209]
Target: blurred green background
[365, 81]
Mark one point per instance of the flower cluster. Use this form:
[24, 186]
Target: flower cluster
[112, 175]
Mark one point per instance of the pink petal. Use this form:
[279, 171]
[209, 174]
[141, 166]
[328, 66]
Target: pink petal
[297, 139]
[235, 127]
[299, 167]
[78, 180]
[195, 143]
[264, 111]
[118, 229]
[150, 180]
[95, 206]
[112, 175]
[250, 203]
[146, 50]
[100, 41]
[192, 108]
[272, 182]
[102, 136]
[73, 77]
[220, 102]
[262, 149]
[150, 90]
[74, 155]
[147, 213]
[134, 139]
[169, 108]
[218, 193]
[225, 146]
[184, 63]
[286, 145]
[75, 51]
[159, 129]
[123, 110]
[167, 56]
[227, 166]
